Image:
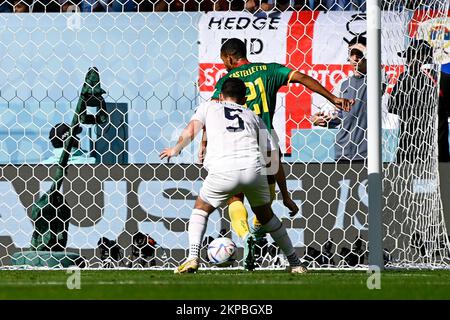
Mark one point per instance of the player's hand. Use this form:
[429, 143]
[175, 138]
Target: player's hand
[320, 119]
[291, 205]
[168, 153]
[343, 104]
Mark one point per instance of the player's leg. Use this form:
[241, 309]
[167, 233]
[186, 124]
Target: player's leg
[239, 223]
[256, 225]
[272, 225]
[238, 215]
[197, 226]
[258, 234]
[280, 179]
[196, 230]
[258, 195]
[214, 192]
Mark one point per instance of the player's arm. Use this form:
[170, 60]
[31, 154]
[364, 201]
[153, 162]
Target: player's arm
[277, 171]
[276, 168]
[202, 150]
[329, 116]
[280, 178]
[203, 143]
[314, 85]
[188, 134]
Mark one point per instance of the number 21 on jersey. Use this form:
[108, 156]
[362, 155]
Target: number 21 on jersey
[257, 87]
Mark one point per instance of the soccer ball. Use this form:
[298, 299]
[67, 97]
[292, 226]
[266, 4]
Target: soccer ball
[221, 252]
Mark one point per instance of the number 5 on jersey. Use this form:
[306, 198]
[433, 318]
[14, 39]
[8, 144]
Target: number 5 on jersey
[232, 115]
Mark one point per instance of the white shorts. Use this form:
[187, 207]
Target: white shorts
[219, 187]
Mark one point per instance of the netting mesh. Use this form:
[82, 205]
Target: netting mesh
[414, 219]
[119, 206]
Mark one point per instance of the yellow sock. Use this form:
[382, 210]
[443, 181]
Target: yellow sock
[256, 223]
[273, 193]
[239, 218]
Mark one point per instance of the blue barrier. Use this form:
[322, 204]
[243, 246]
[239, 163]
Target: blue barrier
[317, 145]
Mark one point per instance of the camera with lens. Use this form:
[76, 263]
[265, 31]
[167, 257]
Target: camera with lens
[356, 255]
[110, 252]
[143, 251]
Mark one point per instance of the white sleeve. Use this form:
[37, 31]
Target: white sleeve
[200, 113]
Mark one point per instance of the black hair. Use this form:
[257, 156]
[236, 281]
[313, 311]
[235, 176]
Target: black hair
[358, 39]
[234, 47]
[234, 88]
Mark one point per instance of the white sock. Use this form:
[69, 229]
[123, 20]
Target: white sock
[281, 238]
[196, 231]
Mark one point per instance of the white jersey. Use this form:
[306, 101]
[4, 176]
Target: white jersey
[236, 136]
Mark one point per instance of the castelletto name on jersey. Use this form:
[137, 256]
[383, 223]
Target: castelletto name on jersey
[240, 23]
[246, 73]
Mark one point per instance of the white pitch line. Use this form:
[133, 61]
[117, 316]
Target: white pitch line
[40, 283]
[155, 282]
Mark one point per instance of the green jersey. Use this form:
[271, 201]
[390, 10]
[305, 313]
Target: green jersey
[263, 81]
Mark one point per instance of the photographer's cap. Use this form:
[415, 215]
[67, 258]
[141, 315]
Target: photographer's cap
[359, 44]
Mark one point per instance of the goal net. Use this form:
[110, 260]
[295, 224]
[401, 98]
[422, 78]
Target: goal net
[116, 205]
[413, 213]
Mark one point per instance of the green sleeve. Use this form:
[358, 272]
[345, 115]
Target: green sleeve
[280, 73]
[218, 88]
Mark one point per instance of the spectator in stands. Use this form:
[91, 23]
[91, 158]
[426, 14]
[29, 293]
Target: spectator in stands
[413, 99]
[151, 5]
[6, 6]
[70, 5]
[278, 5]
[254, 6]
[283, 5]
[184, 5]
[351, 139]
[339, 5]
[306, 5]
[111, 5]
[45, 6]
[21, 6]
[233, 5]
[58, 135]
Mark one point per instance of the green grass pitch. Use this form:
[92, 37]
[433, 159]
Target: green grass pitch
[223, 284]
